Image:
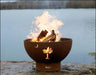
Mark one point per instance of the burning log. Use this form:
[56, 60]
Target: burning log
[51, 37]
[42, 34]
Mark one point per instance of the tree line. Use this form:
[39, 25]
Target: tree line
[47, 4]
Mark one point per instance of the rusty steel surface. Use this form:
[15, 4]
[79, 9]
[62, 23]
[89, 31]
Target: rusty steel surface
[60, 50]
[48, 67]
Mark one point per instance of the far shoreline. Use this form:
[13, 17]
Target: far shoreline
[48, 9]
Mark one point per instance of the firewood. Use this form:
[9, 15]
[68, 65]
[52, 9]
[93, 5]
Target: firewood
[51, 37]
[42, 34]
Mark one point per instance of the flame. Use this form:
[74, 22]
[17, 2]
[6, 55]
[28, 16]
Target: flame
[45, 22]
[42, 39]
[47, 52]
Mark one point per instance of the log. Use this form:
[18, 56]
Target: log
[51, 37]
[42, 34]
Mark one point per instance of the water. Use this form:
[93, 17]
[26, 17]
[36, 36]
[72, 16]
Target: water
[79, 24]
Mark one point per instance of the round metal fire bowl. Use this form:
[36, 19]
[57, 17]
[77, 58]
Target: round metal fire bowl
[60, 50]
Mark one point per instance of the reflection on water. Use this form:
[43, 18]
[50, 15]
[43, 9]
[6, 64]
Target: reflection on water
[79, 24]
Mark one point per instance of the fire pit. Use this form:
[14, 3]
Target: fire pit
[45, 45]
[60, 51]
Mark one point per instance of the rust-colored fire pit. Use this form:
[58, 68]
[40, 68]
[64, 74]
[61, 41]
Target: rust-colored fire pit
[48, 61]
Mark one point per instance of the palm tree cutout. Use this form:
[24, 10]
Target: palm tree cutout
[47, 52]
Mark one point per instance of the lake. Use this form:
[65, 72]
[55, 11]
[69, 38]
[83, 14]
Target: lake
[79, 24]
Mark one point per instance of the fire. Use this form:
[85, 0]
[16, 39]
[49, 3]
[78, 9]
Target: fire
[45, 22]
[47, 52]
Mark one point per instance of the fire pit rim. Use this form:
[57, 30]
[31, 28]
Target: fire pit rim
[63, 40]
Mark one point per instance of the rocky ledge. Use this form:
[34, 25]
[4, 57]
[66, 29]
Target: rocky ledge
[28, 68]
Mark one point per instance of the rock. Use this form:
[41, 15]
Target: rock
[28, 68]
